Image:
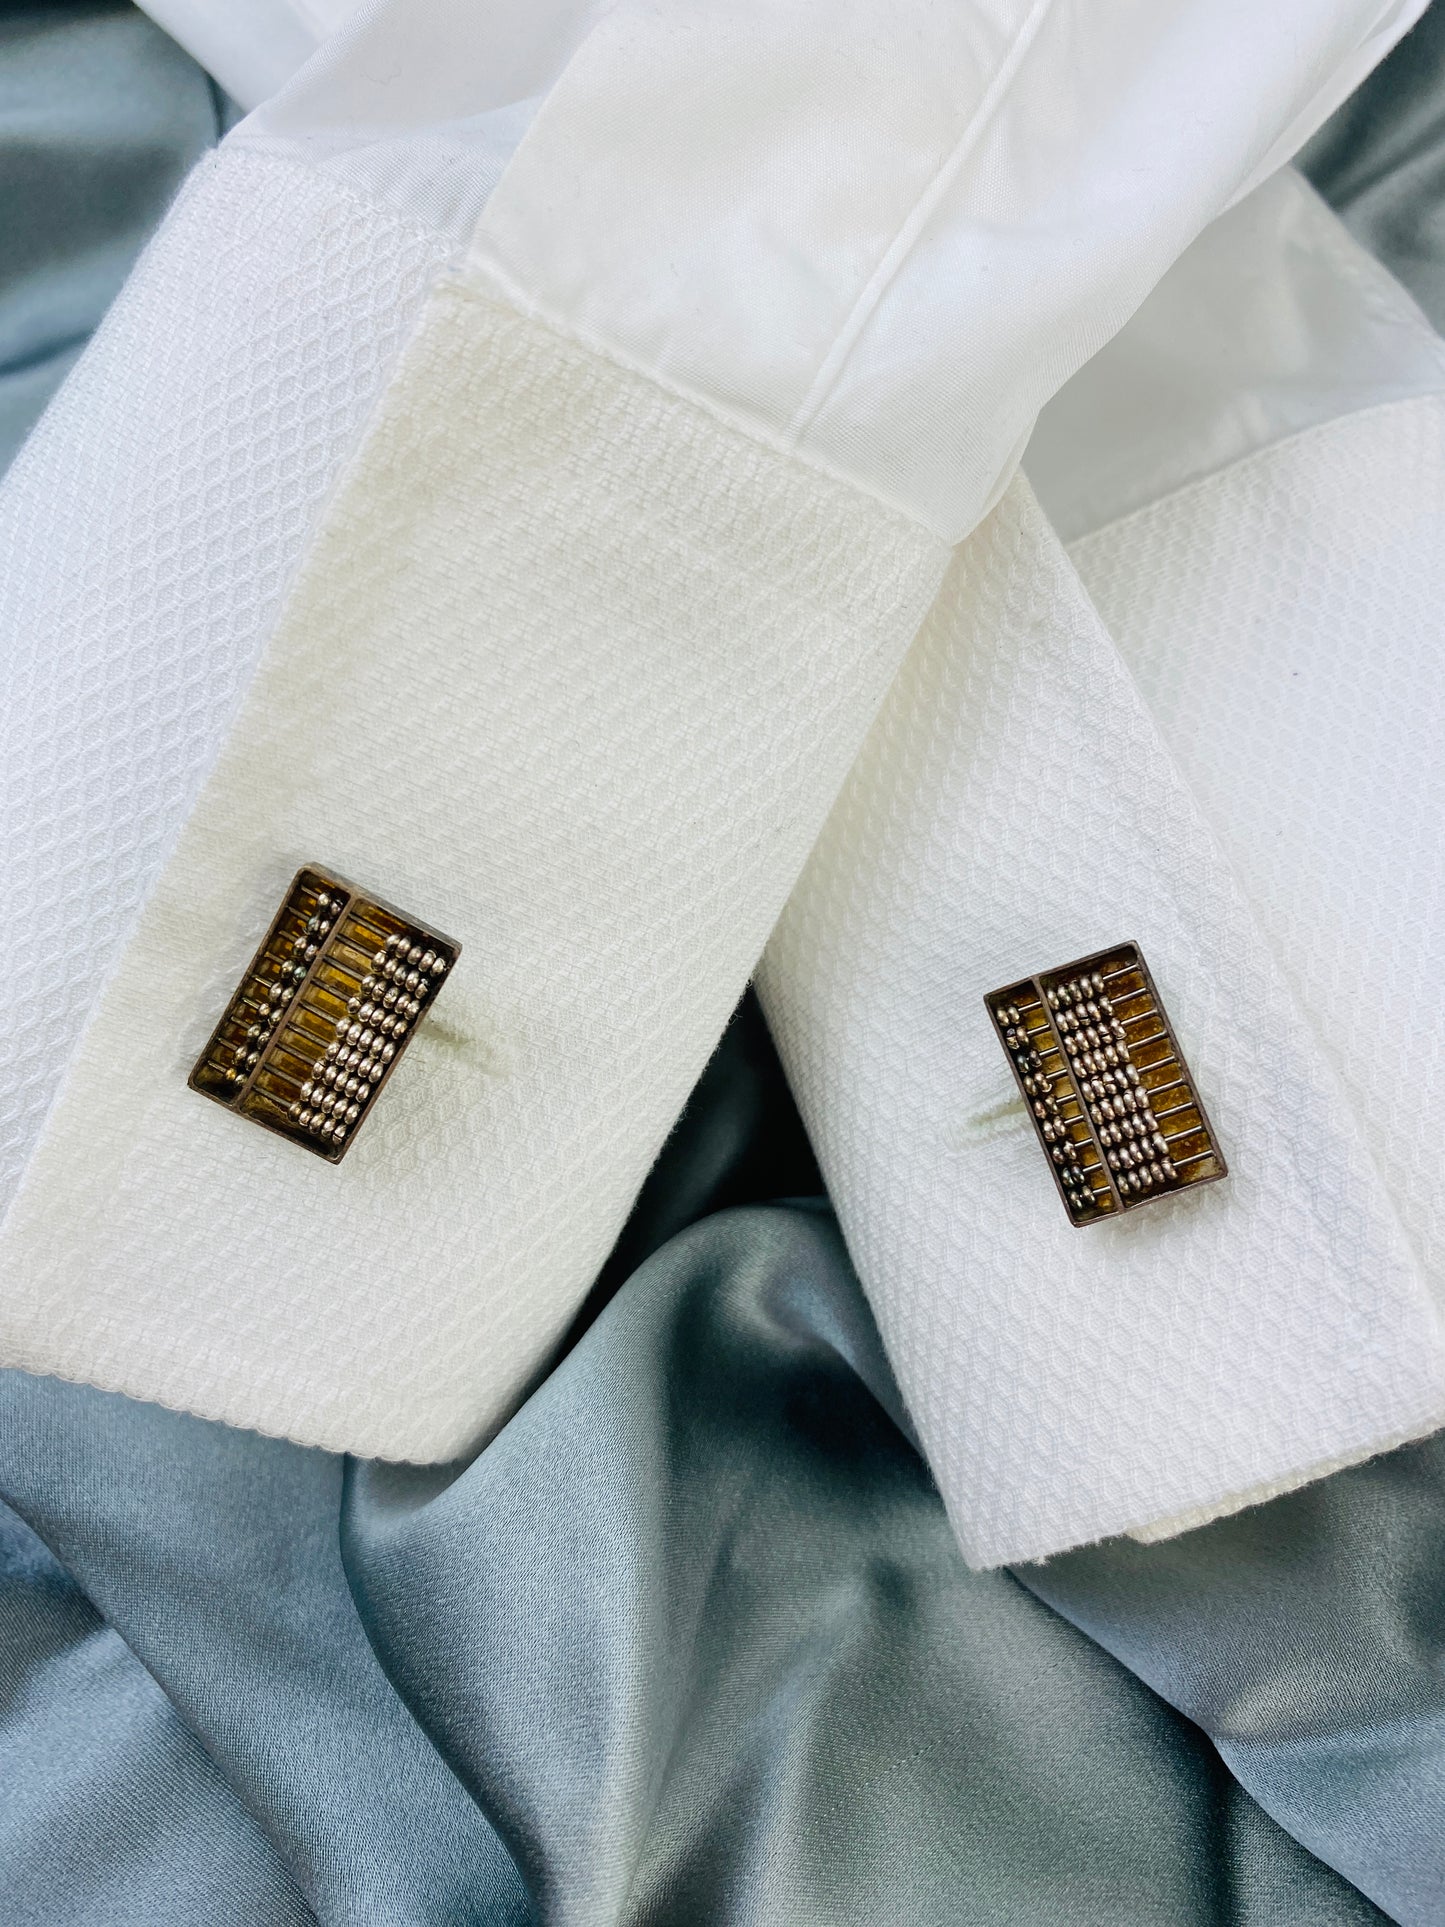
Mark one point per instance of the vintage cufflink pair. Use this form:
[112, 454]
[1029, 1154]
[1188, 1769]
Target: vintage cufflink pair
[341, 980]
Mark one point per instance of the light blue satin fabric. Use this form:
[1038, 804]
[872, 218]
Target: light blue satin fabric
[691, 1641]
[1307, 1638]
[101, 117]
[205, 1730]
[1380, 162]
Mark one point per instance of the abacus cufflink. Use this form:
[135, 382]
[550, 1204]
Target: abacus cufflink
[325, 1010]
[1110, 1095]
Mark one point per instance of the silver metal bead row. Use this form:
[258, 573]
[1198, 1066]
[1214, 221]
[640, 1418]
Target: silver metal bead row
[276, 996]
[401, 952]
[1135, 1147]
[374, 1002]
[1078, 990]
[1096, 1044]
[1053, 1127]
[328, 1118]
[323, 1113]
[367, 1031]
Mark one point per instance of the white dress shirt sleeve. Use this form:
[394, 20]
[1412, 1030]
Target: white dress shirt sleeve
[514, 478]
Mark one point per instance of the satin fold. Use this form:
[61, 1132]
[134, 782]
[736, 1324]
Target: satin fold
[693, 1642]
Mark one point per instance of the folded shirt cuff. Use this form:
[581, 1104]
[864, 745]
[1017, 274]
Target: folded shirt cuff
[571, 670]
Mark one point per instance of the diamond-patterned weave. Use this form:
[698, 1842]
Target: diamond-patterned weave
[1286, 624]
[573, 671]
[149, 528]
[1014, 807]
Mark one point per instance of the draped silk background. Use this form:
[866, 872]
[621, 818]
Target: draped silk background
[691, 1641]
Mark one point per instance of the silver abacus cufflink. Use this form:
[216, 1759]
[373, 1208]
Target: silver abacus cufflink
[323, 1013]
[1112, 1100]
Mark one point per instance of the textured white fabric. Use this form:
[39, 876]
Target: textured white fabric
[538, 682]
[148, 531]
[1281, 619]
[880, 233]
[884, 235]
[918, 233]
[1274, 321]
[1285, 621]
[1200, 1515]
[1014, 807]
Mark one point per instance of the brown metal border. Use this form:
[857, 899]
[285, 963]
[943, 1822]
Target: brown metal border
[315, 877]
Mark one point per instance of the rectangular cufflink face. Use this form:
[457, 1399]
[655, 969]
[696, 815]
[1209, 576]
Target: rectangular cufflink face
[1110, 1095]
[322, 1015]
